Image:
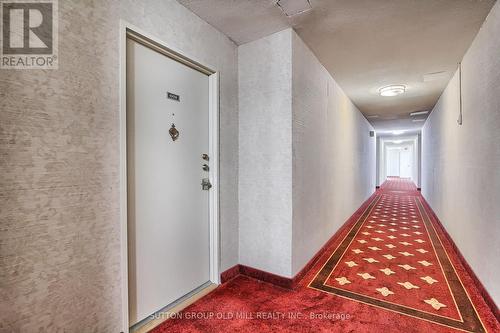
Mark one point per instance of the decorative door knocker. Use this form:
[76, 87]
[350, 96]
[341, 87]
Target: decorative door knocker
[174, 133]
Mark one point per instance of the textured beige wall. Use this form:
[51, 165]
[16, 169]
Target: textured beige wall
[307, 161]
[333, 156]
[265, 182]
[461, 164]
[59, 156]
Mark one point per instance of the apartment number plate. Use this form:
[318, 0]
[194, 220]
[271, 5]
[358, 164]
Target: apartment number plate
[174, 97]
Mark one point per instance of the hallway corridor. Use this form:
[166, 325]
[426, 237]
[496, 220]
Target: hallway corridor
[390, 268]
[249, 166]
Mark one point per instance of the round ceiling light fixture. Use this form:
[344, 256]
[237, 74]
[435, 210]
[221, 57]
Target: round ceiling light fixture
[392, 90]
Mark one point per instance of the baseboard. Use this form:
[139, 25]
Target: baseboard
[256, 274]
[261, 275]
[482, 290]
[230, 273]
[291, 283]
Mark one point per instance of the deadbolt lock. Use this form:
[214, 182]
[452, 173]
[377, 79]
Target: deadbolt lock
[205, 157]
[205, 184]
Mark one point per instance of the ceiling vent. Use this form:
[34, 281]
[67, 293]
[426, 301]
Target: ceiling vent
[435, 76]
[419, 113]
[294, 7]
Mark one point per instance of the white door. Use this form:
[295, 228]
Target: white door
[392, 162]
[405, 163]
[168, 212]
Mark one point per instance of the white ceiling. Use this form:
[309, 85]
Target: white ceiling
[367, 44]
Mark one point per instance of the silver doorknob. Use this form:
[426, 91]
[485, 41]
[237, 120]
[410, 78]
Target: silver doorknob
[205, 167]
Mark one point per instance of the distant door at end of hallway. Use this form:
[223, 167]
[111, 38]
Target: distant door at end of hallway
[392, 162]
[405, 163]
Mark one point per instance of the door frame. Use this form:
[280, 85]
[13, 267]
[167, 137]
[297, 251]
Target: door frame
[128, 30]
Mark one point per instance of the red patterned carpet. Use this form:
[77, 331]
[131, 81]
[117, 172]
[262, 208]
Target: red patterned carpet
[389, 269]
